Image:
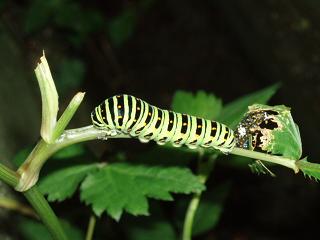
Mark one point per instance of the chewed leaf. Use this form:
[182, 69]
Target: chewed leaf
[118, 187]
[269, 129]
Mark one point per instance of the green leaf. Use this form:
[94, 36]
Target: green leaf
[312, 170]
[287, 141]
[210, 209]
[272, 129]
[118, 187]
[233, 112]
[62, 184]
[33, 230]
[200, 104]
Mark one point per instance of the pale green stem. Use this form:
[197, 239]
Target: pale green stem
[30, 169]
[204, 170]
[67, 115]
[91, 226]
[188, 221]
[289, 163]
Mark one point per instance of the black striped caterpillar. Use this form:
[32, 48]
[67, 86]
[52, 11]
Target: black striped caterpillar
[130, 115]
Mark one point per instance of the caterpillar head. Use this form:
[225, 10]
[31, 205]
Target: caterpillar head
[98, 118]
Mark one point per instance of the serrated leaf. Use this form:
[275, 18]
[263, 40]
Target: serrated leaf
[210, 209]
[118, 187]
[33, 230]
[312, 170]
[62, 184]
[233, 112]
[201, 104]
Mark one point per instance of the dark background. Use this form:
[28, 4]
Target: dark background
[150, 49]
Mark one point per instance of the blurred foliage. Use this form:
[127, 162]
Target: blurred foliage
[156, 226]
[63, 14]
[233, 112]
[122, 27]
[34, 230]
[70, 75]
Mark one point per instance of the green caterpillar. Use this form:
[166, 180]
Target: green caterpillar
[130, 115]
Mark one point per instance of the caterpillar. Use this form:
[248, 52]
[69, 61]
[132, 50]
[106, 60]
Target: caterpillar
[127, 114]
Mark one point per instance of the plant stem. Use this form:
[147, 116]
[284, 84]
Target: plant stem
[304, 165]
[45, 212]
[30, 169]
[188, 221]
[67, 115]
[8, 176]
[204, 170]
[38, 202]
[289, 163]
[91, 226]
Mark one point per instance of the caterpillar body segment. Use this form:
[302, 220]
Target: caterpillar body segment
[135, 117]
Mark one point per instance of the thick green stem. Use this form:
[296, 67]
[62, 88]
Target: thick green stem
[45, 212]
[8, 176]
[30, 169]
[38, 202]
[91, 226]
